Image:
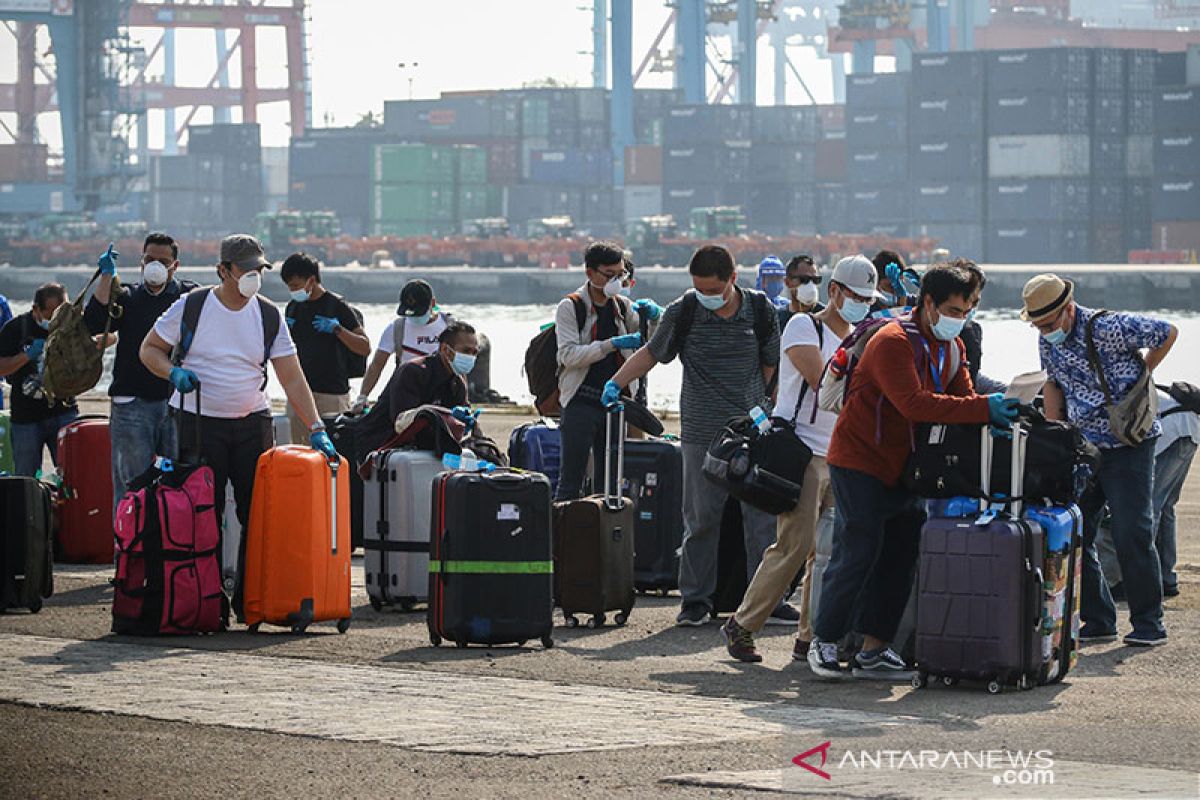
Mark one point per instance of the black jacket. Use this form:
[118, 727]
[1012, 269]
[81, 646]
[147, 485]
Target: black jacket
[425, 381]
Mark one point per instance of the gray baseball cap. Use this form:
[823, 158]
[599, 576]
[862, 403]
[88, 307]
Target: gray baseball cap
[857, 274]
[243, 251]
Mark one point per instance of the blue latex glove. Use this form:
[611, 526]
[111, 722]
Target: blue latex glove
[291, 321]
[1002, 411]
[319, 440]
[630, 341]
[648, 308]
[108, 261]
[184, 380]
[33, 350]
[465, 415]
[325, 324]
[611, 396]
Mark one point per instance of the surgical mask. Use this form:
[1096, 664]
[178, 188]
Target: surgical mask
[155, 274]
[888, 299]
[423, 319]
[1055, 337]
[44, 324]
[626, 291]
[612, 288]
[971, 315]
[806, 294]
[249, 284]
[300, 296]
[947, 328]
[854, 311]
[462, 363]
[711, 301]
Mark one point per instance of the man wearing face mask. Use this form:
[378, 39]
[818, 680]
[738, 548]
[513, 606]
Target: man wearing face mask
[226, 336]
[438, 379]
[1125, 479]
[905, 376]
[412, 334]
[35, 423]
[803, 281]
[323, 327]
[139, 427]
[898, 285]
[771, 281]
[592, 346]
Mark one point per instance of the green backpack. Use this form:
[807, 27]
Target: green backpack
[74, 361]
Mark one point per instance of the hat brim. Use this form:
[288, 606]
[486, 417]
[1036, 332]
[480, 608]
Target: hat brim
[252, 263]
[1047, 313]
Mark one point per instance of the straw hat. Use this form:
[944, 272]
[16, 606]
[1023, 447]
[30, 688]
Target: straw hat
[1044, 296]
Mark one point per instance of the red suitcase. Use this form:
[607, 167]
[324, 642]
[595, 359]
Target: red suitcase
[85, 534]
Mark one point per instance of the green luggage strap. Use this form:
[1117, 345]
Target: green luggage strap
[492, 567]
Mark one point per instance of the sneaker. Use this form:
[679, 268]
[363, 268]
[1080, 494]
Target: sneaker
[1170, 591]
[1088, 633]
[1146, 638]
[784, 614]
[694, 616]
[800, 650]
[740, 642]
[1117, 590]
[823, 660]
[883, 664]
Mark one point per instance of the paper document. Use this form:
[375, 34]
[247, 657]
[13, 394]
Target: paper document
[1025, 387]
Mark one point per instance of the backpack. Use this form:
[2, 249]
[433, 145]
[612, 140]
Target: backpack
[74, 361]
[354, 364]
[194, 304]
[1184, 393]
[541, 358]
[687, 315]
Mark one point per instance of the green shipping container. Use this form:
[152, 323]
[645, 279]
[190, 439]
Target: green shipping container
[535, 117]
[472, 164]
[473, 201]
[413, 163]
[411, 202]
[415, 228]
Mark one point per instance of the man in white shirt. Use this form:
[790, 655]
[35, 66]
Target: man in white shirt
[808, 342]
[227, 337]
[411, 335]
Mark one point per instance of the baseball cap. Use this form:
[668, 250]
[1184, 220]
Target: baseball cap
[243, 251]
[1044, 296]
[416, 298]
[857, 274]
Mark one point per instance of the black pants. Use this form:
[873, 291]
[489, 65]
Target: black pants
[581, 430]
[230, 447]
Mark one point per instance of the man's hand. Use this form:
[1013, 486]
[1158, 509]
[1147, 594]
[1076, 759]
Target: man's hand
[611, 396]
[33, 350]
[184, 380]
[108, 261]
[1002, 411]
[466, 416]
[648, 308]
[359, 405]
[319, 440]
[630, 341]
[326, 324]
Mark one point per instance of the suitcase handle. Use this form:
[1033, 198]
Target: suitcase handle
[179, 426]
[614, 435]
[333, 509]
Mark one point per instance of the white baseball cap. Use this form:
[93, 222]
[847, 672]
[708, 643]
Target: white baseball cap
[857, 274]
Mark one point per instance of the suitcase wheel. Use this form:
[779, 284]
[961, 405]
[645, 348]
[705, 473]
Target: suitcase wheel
[254, 628]
[920, 680]
[435, 640]
[994, 687]
[621, 617]
[343, 625]
[547, 642]
[35, 606]
[460, 643]
[596, 621]
[408, 604]
[571, 620]
[376, 604]
[949, 681]
[663, 592]
[299, 628]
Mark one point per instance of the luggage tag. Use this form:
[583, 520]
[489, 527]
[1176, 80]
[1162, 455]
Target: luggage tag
[166, 465]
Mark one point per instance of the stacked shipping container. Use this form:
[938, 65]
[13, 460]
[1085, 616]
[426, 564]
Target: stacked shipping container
[877, 152]
[1176, 185]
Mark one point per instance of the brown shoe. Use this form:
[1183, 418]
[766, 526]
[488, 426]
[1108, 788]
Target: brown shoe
[740, 642]
[800, 650]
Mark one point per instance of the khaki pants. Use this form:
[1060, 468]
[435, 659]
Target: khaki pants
[327, 405]
[795, 535]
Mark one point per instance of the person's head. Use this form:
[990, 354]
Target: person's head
[604, 264]
[852, 288]
[160, 259]
[242, 263]
[47, 299]
[302, 274]
[1049, 305]
[896, 281]
[714, 275]
[978, 278]
[771, 275]
[458, 347]
[417, 302]
[803, 280]
[627, 279]
[947, 293]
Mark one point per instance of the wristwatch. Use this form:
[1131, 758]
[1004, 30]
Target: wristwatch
[316, 426]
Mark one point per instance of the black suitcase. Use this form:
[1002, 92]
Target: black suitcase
[341, 431]
[593, 544]
[490, 559]
[26, 542]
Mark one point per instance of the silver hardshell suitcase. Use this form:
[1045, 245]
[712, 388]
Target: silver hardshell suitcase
[397, 499]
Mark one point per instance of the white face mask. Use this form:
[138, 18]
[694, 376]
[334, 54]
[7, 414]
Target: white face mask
[612, 288]
[806, 294]
[249, 284]
[155, 274]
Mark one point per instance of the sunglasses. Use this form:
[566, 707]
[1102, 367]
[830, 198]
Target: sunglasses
[803, 279]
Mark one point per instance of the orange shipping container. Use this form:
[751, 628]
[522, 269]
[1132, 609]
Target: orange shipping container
[643, 165]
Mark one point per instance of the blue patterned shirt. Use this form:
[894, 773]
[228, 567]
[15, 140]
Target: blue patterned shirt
[1118, 338]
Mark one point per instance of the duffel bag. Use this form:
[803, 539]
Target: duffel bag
[764, 469]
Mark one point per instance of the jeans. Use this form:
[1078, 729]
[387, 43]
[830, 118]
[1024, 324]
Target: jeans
[1170, 472]
[230, 447]
[1125, 482]
[28, 439]
[138, 431]
[876, 538]
[703, 505]
[581, 430]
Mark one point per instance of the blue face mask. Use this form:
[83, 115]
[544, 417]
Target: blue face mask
[300, 296]
[1055, 337]
[971, 315]
[947, 328]
[44, 324]
[854, 311]
[711, 301]
[462, 363]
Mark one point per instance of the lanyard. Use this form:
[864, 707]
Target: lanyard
[935, 366]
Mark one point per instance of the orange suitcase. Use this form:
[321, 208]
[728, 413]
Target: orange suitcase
[297, 569]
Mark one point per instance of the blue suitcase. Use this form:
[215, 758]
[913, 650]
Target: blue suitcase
[536, 447]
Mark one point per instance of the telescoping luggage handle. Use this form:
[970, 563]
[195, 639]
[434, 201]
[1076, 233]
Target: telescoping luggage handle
[333, 508]
[1016, 483]
[615, 445]
[167, 464]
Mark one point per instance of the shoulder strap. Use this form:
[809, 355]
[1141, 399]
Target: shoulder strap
[270, 322]
[192, 307]
[820, 329]
[398, 328]
[683, 325]
[762, 322]
[1094, 354]
[580, 310]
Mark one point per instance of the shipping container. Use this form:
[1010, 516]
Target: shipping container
[1139, 156]
[786, 124]
[331, 152]
[879, 204]
[1033, 69]
[1176, 236]
[1037, 243]
[275, 171]
[472, 202]
[878, 165]
[963, 240]
[172, 209]
[593, 105]
[413, 163]
[346, 195]
[878, 91]
[644, 165]
[833, 208]
[1139, 117]
[534, 201]
[571, 167]
[35, 198]
[1177, 109]
[947, 115]
[678, 201]
[503, 161]
[1107, 244]
[1038, 156]
[1109, 113]
[1170, 69]
[1023, 113]
[1139, 203]
[599, 206]
[868, 129]
[1039, 200]
[1176, 199]
[768, 208]
[23, 163]
[1107, 198]
[229, 140]
[946, 157]
[831, 121]
[948, 201]
[832, 160]
[404, 229]
[1109, 69]
[1140, 68]
[413, 202]
[782, 163]
[1192, 67]
[641, 201]
[454, 117]
[504, 115]
[590, 137]
[528, 147]
[937, 75]
[1177, 153]
[471, 164]
[685, 125]
[802, 218]
[1109, 158]
[190, 172]
[727, 163]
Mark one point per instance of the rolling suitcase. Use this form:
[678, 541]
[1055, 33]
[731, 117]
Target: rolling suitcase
[1062, 573]
[490, 564]
[26, 565]
[341, 431]
[593, 544]
[822, 549]
[536, 447]
[397, 504]
[85, 533]
[297, 569]
[979, 603]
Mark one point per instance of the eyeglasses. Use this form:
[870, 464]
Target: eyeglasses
[800, 280]
[1050, 324]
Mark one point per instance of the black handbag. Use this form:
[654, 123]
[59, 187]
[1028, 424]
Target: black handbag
[764, 469]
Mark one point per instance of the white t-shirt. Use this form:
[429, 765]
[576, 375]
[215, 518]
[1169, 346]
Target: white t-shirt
[226, 355]
[419, 340]
[799, 331]
[1175, 426]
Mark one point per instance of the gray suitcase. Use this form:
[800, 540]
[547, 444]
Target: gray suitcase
[396, 520]
[823, 549]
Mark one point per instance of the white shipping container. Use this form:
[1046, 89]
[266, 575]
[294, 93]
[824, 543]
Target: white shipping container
[1040, 156]
[641, 201]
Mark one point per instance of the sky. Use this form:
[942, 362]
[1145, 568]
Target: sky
[357, 46]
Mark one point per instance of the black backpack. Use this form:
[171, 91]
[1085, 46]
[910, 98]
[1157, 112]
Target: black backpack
[1184, 393]
[541, 359]
[194, 304]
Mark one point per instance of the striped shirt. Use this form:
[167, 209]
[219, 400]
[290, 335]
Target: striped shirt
[722, 365]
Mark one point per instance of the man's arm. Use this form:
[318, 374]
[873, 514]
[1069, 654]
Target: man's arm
[1054, 403]
[571, 351]
[1155, 355]
[155, 354]
[10, 344]
[355, 341]
[636, 367]
[290, 374]
[374, 370]
[404, 390]
[890, 362]
[95, 313]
